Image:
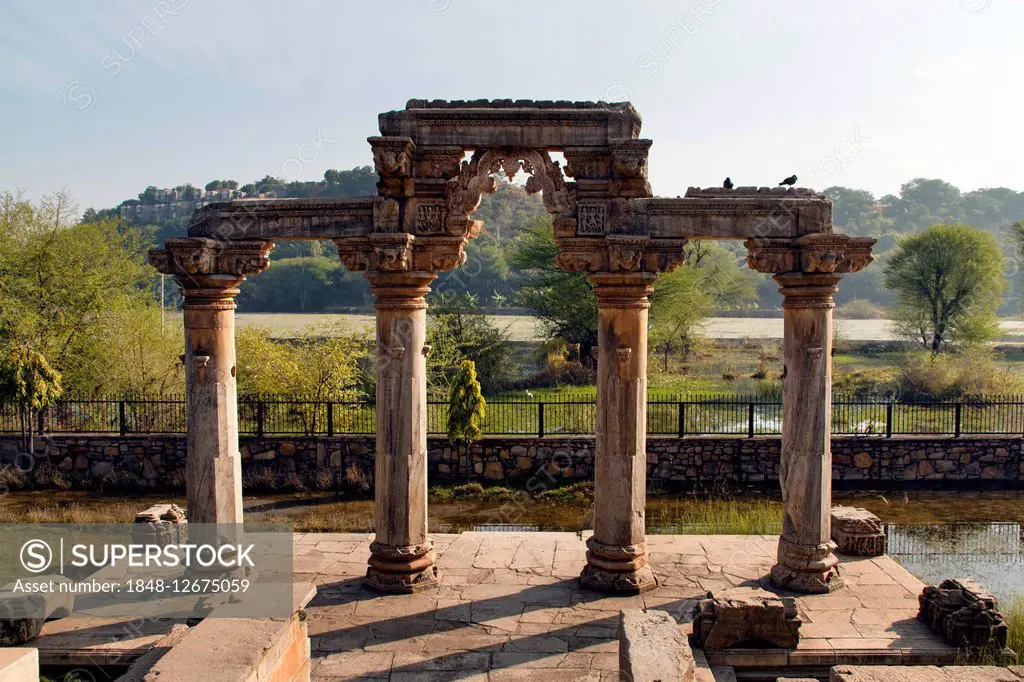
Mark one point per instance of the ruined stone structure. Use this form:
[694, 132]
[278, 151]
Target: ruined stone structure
[607, 225]
[965, 614]
[858, 532]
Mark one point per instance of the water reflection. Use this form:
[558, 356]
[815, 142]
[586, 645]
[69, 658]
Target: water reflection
[988, 552]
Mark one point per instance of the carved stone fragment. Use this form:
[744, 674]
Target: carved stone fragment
[858, 532]
[746, 619]
[965, 614]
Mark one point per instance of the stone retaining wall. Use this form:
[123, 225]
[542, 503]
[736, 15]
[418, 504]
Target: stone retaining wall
[129, 462]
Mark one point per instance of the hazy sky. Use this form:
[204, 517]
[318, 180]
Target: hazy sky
[106, 97]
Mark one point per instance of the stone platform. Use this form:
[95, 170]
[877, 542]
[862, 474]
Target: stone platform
[510, 607]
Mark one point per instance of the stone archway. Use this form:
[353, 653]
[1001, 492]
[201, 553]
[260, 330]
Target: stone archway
[608, 225]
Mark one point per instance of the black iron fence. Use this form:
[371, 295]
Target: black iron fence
[679, 415]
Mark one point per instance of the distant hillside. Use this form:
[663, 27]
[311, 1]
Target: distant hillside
[307, 277]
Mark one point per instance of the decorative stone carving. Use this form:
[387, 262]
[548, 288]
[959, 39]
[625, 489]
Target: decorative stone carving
[192, 261]
[965, 614]
[748, 619]
[625, 254]
[438, 163]
[857, 531]
[392, 252]
[475, 178]
[770, 258]
[385, 215]
[593, 219]
[430, 218]
[447, 259]
[629, 158]
[392, 156]
[577, 261]
[352, 257]
[812, 254]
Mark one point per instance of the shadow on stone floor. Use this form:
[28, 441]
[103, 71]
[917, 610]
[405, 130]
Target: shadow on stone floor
[491, 628]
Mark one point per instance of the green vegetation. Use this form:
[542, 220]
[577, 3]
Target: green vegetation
[947, 280]
[466, 406]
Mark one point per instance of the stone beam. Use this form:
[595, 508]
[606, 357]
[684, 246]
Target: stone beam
[741, 213]
[283, 219]
[475, 124]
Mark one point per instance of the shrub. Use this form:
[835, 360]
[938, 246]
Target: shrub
[860, 309]
[465, 405]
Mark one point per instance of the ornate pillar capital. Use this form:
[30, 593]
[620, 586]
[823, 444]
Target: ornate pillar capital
[379, 253]
[621, 254]
[813, 254]
[209, 271]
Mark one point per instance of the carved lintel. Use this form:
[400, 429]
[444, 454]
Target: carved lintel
[438, 162]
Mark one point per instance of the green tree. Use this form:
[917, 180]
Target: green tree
[710, 279]
[27, 380]
[563, 301]
[948, 280]
[61, 283]
[466, 405]
[458, 331]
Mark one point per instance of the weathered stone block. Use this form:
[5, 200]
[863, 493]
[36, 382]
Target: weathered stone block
[858, 532]
[746, 619]
[652, 648]
[161, 524]
[965, 614]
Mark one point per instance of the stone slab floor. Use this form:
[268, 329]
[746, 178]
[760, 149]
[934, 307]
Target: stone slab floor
[510, 608]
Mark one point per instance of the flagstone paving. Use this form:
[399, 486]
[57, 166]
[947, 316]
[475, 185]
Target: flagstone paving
[510, 608]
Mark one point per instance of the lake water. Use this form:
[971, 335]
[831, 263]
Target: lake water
[928, 532]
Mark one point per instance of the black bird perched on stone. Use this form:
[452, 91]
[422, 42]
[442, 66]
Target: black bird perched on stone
[791, 180]
[728, 183]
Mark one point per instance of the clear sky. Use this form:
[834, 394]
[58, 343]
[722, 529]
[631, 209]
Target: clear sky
[103, 98]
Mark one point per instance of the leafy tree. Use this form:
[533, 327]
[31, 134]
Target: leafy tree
[1018, 235]
[458, 331]
[709, 280]
[60, 283]
[216, 185]
[466, 405]
[563, 301]
[27, 380]
[947, 279]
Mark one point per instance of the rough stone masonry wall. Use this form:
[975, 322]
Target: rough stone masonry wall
[157, 461]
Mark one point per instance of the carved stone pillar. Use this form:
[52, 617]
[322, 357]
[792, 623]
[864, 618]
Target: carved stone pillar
[402, 555]
[808, 271]
[208, 273]
[617, 551]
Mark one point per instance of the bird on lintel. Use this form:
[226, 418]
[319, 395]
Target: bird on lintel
[791, 180]
[728, 183]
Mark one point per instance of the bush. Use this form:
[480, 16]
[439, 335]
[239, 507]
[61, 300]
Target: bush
[860, 309]
[954, 376]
